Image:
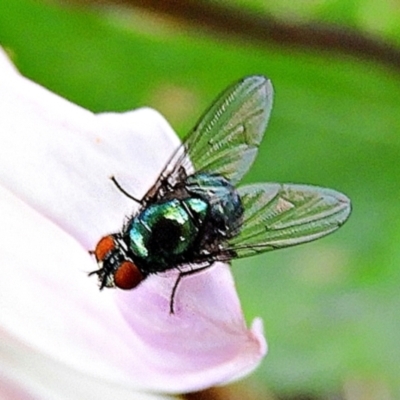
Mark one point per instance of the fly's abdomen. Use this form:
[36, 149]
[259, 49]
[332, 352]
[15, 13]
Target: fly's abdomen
[163, 233]
[226, 210]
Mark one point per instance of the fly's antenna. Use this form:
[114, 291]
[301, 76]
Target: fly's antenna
[123, 191]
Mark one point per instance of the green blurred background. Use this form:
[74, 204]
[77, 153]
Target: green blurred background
[331, 308]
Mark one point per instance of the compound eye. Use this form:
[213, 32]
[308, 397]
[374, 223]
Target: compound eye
[104, 247]
[127, 276]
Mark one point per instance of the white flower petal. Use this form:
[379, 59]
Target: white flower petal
[65, 155]
[56, 159]
[28, 375]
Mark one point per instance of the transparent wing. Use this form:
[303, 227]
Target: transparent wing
[226, 138]
[282, 215]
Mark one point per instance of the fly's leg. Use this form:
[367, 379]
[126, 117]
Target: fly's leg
[123, 191]
[180, 276]
[102, 276]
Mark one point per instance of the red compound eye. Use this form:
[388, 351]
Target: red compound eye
[105, 245]
[127, 276]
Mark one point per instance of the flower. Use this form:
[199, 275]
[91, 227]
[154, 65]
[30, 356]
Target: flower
[57, 201]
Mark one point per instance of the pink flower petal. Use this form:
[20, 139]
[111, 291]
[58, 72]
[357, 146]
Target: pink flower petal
[64, 156]
[57, 201]
[205, 341]
[28, 375]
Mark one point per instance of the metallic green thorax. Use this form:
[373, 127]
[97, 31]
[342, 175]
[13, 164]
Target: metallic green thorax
[165, 231]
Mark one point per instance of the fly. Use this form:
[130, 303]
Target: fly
[196, 214]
